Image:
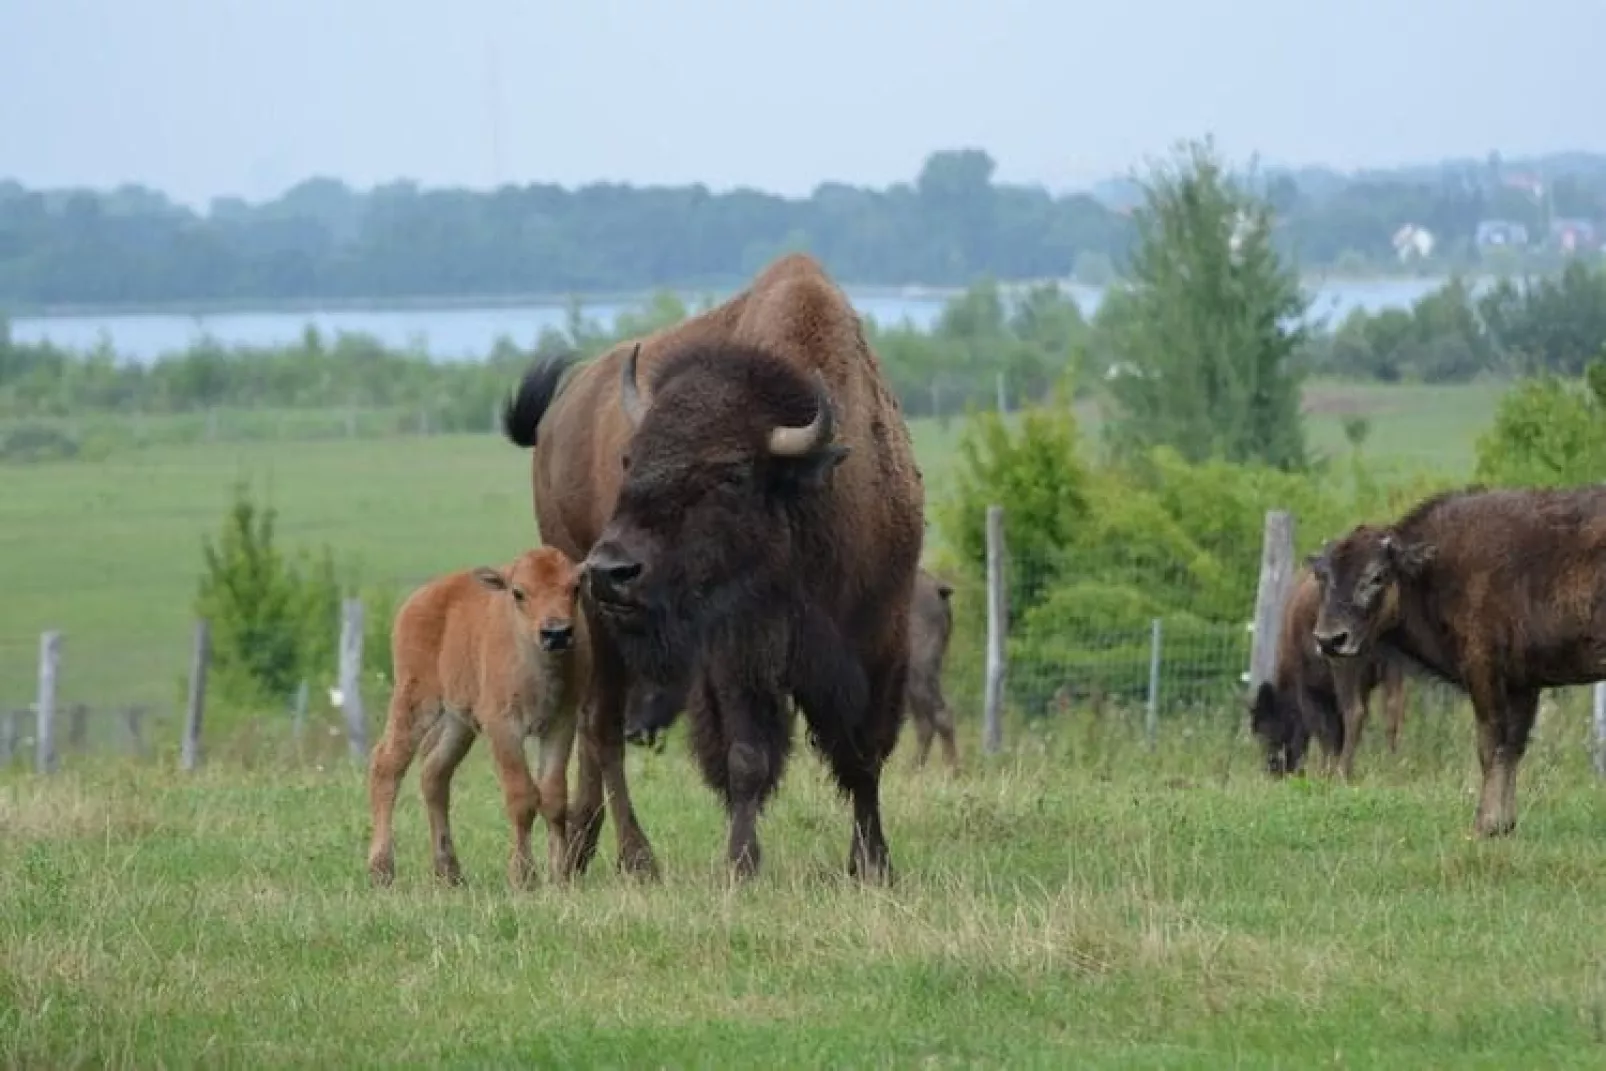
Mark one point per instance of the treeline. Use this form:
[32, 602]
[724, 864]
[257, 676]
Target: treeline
[980, 342]
[953, 223]
[1549, 324]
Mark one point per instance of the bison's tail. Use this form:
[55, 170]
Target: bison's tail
[522, 413]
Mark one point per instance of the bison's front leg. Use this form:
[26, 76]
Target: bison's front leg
[856, 746]
[741, 737]
[1354, 707]
[1505, 721]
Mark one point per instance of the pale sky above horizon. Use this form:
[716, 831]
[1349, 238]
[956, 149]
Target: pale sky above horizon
[201, 98]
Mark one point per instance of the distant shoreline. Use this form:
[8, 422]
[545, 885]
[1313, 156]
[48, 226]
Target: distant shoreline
[290, 306]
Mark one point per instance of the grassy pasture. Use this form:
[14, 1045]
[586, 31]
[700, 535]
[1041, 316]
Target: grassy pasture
[109, 550]
[1076, 902]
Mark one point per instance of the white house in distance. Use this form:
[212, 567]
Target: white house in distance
[1412, 242]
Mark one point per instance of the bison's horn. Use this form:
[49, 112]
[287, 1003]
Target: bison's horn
[796, 442]
[629, 396]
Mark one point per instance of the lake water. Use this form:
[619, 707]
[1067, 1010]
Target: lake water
[469, 333]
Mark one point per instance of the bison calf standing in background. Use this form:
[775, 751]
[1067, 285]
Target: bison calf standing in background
[931, 622]
[1502, 593]
[503, 653]
[1309, 695]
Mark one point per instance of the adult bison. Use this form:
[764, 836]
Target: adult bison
[1499, 592]
[1309, 695]
[744, 492]
[650, 710]
[931, 624]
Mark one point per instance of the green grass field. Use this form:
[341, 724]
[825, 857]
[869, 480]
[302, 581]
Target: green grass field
[109, 551]
[1076, 901]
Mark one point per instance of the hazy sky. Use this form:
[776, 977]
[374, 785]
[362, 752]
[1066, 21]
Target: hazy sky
[207, 97]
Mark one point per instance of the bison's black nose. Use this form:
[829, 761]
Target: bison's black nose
[610, 572]
[556, 636]
[1334, 644]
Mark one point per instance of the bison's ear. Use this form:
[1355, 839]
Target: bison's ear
[808, 472]
[1409, 558]
[490, 578]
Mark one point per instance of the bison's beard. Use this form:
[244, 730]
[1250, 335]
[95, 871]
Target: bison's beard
[657, 642]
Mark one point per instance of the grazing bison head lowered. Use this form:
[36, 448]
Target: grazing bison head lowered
[542, 586]
[1360, 577]
[723, 474]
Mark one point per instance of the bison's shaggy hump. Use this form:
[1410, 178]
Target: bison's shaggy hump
[755, 381]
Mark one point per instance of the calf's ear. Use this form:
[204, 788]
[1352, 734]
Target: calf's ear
[490, 578]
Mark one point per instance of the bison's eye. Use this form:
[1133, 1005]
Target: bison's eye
[624, 462]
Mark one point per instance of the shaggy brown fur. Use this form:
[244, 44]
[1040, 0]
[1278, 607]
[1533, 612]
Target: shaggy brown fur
[1502, 593]
[1310, 696]
[738, 567]
[503, 653]
[931, 622]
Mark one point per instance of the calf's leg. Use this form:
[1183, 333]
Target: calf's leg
[435, 782]
[942, 719]
[1355, 705]
[519, 793]
[924, 732]
[386, 767]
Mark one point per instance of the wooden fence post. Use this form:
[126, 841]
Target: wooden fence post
[1151, 706]
[133, 729]
[1600, 728]
[351, 636]
[997, 630]
[10, 733]
[45, 730]
[1276, 581]
[200, 658]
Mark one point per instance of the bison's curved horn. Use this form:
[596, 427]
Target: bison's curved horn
[795, 442]
[629, 395]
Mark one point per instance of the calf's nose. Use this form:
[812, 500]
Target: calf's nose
[609, 570]
[557, 636]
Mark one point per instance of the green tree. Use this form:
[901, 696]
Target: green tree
[1204, 332]
[1547, 432]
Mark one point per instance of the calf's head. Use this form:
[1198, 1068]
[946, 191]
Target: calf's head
[1360, 578]
[733, 450]
[542, 586]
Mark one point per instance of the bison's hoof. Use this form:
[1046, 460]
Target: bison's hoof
[639, 864]
[381, 873]
[1493, 827]
[870, 869]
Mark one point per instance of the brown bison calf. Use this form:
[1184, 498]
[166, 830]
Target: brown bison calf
[1309, 695]
[931, 622]
[1501, 593]
[503, 653]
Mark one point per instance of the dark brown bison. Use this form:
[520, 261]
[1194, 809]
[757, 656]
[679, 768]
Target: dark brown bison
[931, 623]
[651, 710]
[1499, 592]
[1309, 695]
[744, 492]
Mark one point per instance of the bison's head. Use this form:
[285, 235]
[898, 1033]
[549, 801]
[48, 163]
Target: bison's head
[542, 586]
[726, 464]
[1281, 731]
[1360, 577]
